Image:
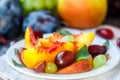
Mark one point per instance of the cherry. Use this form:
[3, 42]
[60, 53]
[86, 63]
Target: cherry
[105, 33]
[38, 34]
[118, 42]
[64, 58]
[95, 50]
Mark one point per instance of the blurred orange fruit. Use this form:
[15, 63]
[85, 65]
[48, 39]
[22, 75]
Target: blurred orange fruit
[82, 14]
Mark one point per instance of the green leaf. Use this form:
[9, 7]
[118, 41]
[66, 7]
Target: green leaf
[15, 50]
[83, 53]
[107, 44]
[63, 32]
[17, 64]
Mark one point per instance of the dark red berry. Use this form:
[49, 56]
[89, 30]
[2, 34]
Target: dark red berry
[38, 34]
[3, 40]
[105, 33]
[95, 50]
[118, 42]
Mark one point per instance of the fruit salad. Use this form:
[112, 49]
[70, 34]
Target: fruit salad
[61, 54]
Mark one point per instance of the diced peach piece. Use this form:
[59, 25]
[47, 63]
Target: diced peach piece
[77, 67]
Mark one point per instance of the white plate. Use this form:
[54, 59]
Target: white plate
[111, 63]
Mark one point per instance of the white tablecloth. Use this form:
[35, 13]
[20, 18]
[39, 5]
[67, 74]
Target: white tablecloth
[114, 74]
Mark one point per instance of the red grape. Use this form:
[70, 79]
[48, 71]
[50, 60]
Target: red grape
[64, 58]
[105, 33]
[118, 42]
[95, 50]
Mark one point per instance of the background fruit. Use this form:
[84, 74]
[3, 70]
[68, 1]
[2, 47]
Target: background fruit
[32, 5]
[10, 17]
[82, 14]
[41, 20]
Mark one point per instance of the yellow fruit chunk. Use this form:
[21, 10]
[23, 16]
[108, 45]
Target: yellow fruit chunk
[30, 39]
[30, 58]
[84, 38]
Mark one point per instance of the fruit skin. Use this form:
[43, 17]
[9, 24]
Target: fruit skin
[82, 14]
[77, 67]
[45, 21]
[10, 17]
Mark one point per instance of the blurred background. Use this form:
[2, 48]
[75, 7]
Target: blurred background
[49, 15]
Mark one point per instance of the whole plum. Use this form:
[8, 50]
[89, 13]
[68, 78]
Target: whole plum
[45, 21]
[10, 17]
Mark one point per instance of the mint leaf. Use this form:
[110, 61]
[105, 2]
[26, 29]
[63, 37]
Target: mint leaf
[17, 64]
[63, 32]
[83, 53]
[107, 44]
